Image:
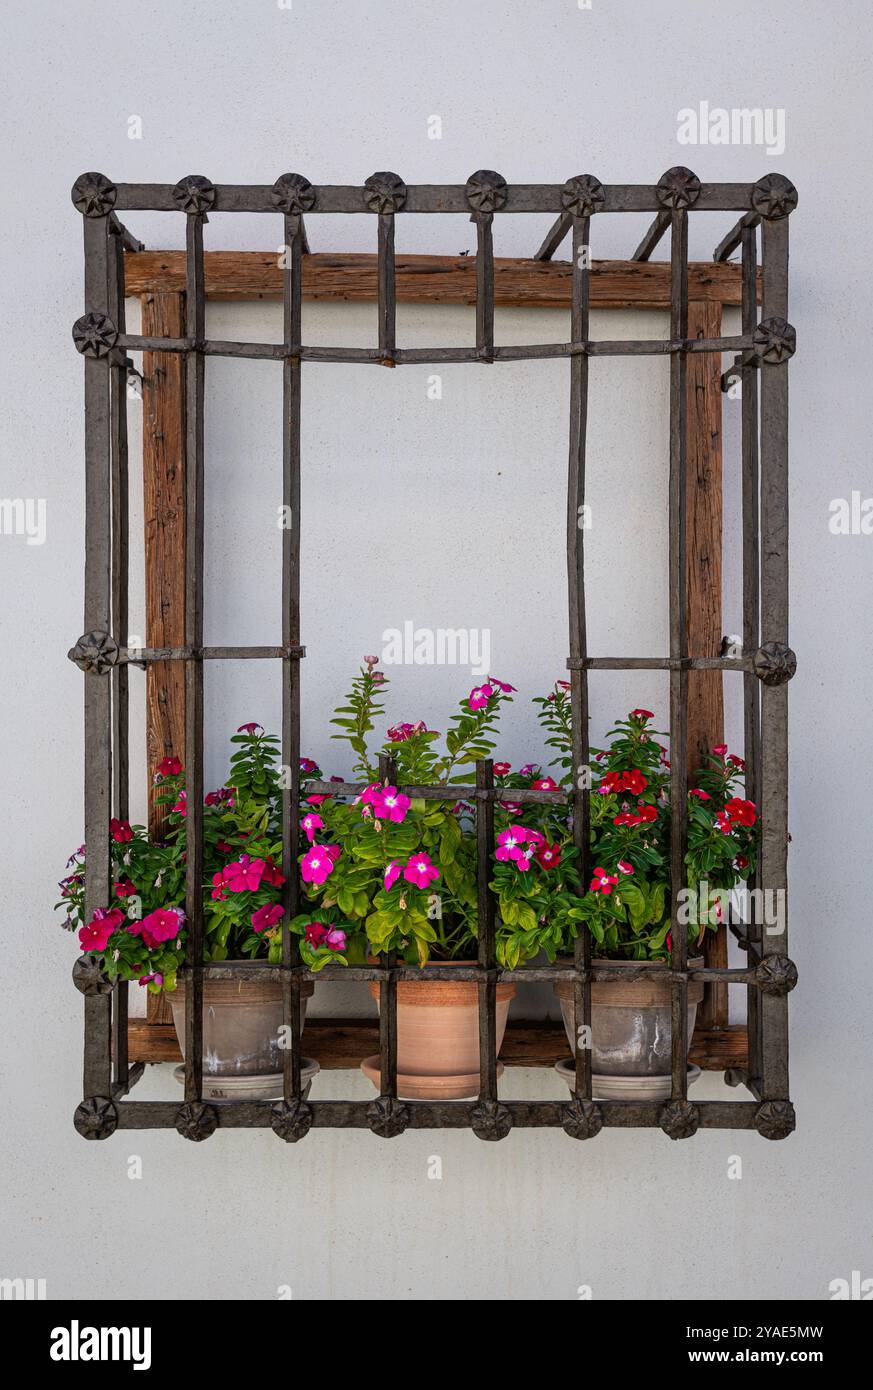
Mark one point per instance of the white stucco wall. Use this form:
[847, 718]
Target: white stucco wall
[539, 91]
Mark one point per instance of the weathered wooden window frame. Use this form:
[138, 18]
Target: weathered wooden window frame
[174, 288]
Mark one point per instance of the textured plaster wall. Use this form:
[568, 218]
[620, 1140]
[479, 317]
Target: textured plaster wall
[474, 485]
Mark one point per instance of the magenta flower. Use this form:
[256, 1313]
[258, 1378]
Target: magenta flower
[244, 874]
[157, 977]
[509, 843]
[502, 769]
[308, 766]
[512, 808]
[120, 830]
[530, 770]
[421, 871]
[249, 728]
[317, 799]
[392, 805]
[335, 939]
[218, 797]
[267, 916]
[370, 795]
[545, 784]
[218, 892]
[392, 873]
[501, 685]
[479, 696]
[180, 804]
[333, 852]
[94, 936]
[315, 933]
[399, 733]
[310, 823]
[124, 888]
[625, 867]
[316, 865]
[169, 767]
[161, 925]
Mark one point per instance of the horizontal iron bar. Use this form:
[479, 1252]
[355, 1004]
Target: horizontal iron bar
[142, 655]
[428, 197]
[442, 792]
[528, 974]
[659, 663]
[354, 1114]
[281, 352]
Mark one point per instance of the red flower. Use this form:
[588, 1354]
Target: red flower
[625, 867]
[720, 749]
[741, 861]
[502, 769]
[120, 831]
[267, 916]
[741, 812]
[544, 784]
[669, 941]
[647, 814]
[626, 818]
[704, 796]
[548, 856]
[249, 728]
[737, 762]
[611, 782]
[315, 933]
[169, 767]
[723, 821]
[273, 875]
[124, 888]
[94, 936]
[602, 882]
[641, 714]
[634, 782]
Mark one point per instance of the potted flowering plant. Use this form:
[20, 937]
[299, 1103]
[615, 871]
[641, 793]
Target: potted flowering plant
[626, 904]
[140, 933]
[399, 873]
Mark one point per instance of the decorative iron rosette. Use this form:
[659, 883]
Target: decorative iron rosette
[775, 1119]
[196, 1120]
[774, 196]
[776, 975]
[679, 1119]
[94, 335]
[194, 195]
[387, 1117]
[96, 1118]
[491, 1120]
[486, 192]
[385, 192]
[678, 188]
[774, 663]
[93, 195]
[582, 196]
[291, 1120]
[96, 652]
[89, 976]
[775, 341]
[582, 1119]
[293, 194]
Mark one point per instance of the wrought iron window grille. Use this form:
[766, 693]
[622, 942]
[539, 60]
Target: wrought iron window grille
[766, 662]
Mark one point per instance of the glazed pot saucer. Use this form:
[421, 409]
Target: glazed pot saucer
[258, 1086]
[625, 1087]
[463, 1087]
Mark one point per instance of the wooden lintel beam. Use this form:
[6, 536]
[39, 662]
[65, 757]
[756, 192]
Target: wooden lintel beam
[433, 279]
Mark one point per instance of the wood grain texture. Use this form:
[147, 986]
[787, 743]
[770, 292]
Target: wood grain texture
[704, 585]
[342, 1043]
[163, 312]
[432, 279]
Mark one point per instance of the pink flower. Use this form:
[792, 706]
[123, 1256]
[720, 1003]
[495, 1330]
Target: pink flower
[724, 823]
[333, 852]
[371, 660]
[180, 804]
[161, 925]
[549, 856]
[641, 714]
[157, 978]
[317, 800]
[310, 823]
[509, 843]
[267, 916]
[124, 888]
[530, 770]
[120, 830]
[335, 939]
[625, 867]
[244, 874]
[720, 749]
[602, 882]
[219, 797]
[218, 892]
[94, 936]
[249, 728]
[399, 733]
[512, 808]
[392, 805]
[545, 784]
[169, 767]
[479, 696]
[523, 858]
[502, 769]
[420, 871]
[392, 873]
[501, 685]
[370, 795]
[316, 865]
[308, 766]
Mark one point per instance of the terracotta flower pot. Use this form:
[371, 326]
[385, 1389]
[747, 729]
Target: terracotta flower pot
[241, 1023]
[630, 1021]
[438, 1037]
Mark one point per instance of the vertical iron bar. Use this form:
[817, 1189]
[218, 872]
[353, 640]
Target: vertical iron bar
[774, 628]
[97, 1069]
[487, 982]
[388, 988]
[484, 286]
[386, 288]
[291, 385]
[195, 314]
[678, 649]
[120, 528]
[581, 770]
[751, 601]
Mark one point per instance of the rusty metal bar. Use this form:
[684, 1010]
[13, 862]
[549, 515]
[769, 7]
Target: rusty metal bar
[388, 991]
[652, 237]
[487, 961]
[554, 237]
